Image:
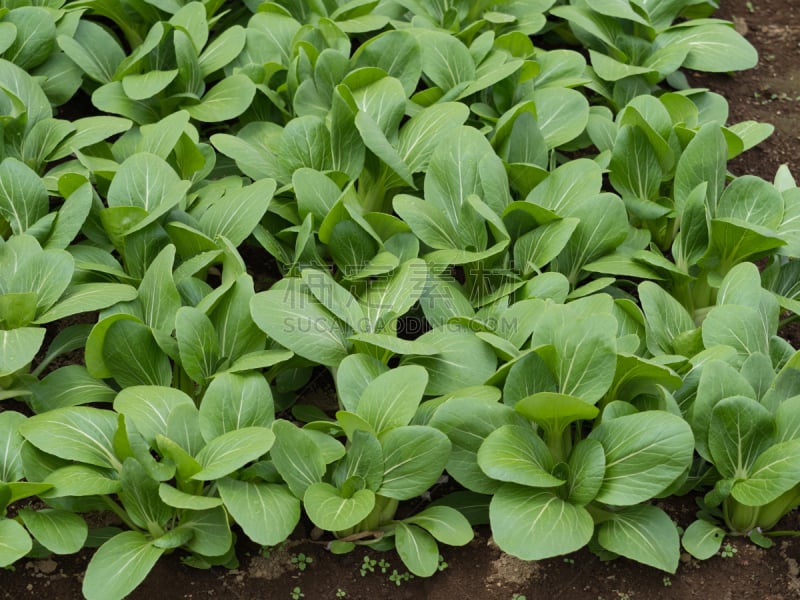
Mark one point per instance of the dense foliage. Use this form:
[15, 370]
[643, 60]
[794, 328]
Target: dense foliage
[504, 232]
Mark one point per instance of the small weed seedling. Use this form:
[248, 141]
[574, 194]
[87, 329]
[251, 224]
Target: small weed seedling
[666, 581]
[340, 593]
[384, 565]
[297, 594]
[367, 565]
[518, 597]
[727, 551]
[442, 564]
[399, 578]
[302, 561]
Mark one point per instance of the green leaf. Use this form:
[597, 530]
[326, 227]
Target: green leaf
[234, 401]
[587, 465]
[88, 297]
[635, 169]
[715, 48]
[554, 411]
[11, 468]
[582, 356]
[36, 36]
[718, 380]
[297, 321]
[428, 222]
[392, 398]
[751, 200]
[225, 454]
[517, 455]
[226, 100]
[536, 248]
[133, 357]
[238, 334]
[23, 196]
[444, 523]
[337, 299]
[78, 433]
[417, 549]
[160, 138]
[89, 131]
[222, 50]
[376, 141]
[197, 343]
[46, 274]
[119, 565]
[774, 472]
[364, 459]
[739, 431]
[463, 360]
[238, 212]
[81, 480]
[666, 318]
[69, 386]
[447, 62]
[467, 422]
[268, 513]
[737, 326]
[329, 510]
[354, 375]
[644, 534]
[297, 457]
[94, 50]
[178, 499]
[146, 85]
[703, 539]
[140, 496]
[704, 160]
[413, 459]
[533, 525]
[562, 113]
[422, 133]
[146, 181]
[148, 407]
[645, 453]
[212, 533]
[14, 542]
[18, 347]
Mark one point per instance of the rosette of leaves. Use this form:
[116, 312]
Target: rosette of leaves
[741, 401]
[54, 530]
[180, 332]
[633, 46]
[781, 275]
[31, 134]
[709, 227]
[167, 70]
[567, 222]
[135, 19]
[468, 19]
[352, 490]
[37, 288]
[95, 458]
[322, 321]
[563, 474]
[28, 32]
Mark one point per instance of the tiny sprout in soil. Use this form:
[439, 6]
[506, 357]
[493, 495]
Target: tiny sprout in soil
[302, 561]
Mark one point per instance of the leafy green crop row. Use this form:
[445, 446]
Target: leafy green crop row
[504, 231]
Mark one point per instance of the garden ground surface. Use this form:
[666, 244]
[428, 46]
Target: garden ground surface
[771, 93]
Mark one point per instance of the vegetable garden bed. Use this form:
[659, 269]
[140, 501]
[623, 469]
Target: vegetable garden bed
[266, 273]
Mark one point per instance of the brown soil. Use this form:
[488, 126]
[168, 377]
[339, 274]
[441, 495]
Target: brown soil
[771, 93]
